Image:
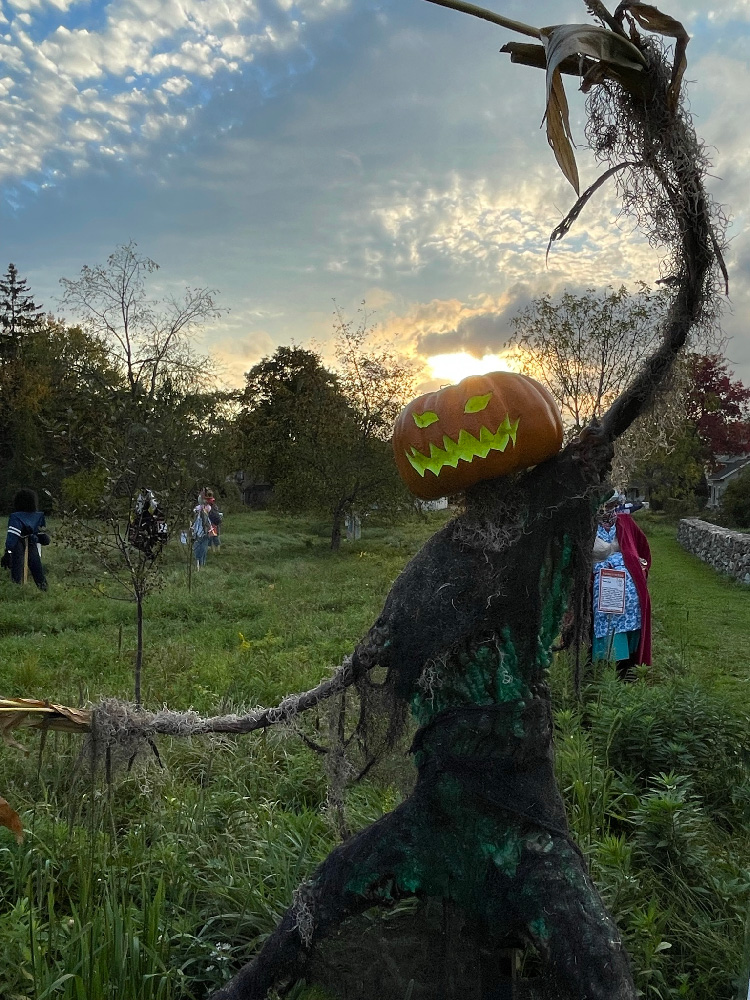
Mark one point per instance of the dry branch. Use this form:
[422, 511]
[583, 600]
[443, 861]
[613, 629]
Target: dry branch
[488, 15]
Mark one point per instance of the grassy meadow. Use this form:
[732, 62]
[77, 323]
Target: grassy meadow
[159, 884]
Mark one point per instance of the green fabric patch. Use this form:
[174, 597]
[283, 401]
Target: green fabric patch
[490, 676]
[539, 929]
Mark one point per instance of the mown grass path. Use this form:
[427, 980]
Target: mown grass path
[701, 617]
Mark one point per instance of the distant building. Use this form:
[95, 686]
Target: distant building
[255, 493]
[635, 492]
[729, 467]
[440, 504]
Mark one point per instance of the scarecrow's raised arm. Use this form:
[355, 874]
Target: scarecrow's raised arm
[638, 129]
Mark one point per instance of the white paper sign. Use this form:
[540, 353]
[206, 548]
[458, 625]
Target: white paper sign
[612, 591]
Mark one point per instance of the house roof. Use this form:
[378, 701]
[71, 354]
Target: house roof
[729, 468]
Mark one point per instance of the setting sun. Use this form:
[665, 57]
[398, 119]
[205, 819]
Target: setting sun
[454, 367]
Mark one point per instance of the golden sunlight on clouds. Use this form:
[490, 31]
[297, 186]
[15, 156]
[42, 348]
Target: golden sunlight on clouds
[454, 367]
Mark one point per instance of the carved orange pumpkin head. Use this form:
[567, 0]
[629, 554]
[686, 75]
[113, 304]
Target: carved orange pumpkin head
[486, 426]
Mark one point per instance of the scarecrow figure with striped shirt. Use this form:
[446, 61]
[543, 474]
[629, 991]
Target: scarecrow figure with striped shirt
[25, 537]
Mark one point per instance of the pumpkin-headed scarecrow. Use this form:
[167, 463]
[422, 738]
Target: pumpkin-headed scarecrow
[467, 630]
[465, 635]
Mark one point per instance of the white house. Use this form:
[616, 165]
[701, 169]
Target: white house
[730, 466]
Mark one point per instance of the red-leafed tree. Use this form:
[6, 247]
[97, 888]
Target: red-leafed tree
[719, 407]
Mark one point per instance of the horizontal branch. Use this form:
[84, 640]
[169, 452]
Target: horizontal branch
[113, 721]
[488, 15]
[528, 54]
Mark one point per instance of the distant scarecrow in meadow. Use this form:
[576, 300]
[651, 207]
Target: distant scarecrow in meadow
[148, 530]
[466, 633]
[22, 553]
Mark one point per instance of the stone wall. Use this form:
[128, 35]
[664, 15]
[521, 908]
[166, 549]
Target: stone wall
[727, 551]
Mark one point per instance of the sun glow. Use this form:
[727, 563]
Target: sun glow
[454, 367]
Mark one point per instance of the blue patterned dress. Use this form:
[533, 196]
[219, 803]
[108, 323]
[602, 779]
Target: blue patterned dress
[606, 625]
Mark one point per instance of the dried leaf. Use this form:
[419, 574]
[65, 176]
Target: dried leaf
[10, 818]
[8, 721]
[26, 703]
[595, 75]
[562, 42]
[563, 228]
[652, 19]
[29, 712]
[558, 130]
[80, 718]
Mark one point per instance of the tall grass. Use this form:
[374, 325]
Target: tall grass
[656, 777]
[152, 887]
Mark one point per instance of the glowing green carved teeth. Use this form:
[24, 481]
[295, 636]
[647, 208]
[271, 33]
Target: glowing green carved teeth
[467, 448]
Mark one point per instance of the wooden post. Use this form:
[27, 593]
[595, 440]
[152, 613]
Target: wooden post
[25, 560]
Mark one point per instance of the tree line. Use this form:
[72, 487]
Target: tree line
[586, 347]
[121, 399]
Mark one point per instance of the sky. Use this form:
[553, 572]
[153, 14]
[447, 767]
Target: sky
[293, 154]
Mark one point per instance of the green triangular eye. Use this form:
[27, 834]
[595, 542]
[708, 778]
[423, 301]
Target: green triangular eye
[425, 419]
[477, 403]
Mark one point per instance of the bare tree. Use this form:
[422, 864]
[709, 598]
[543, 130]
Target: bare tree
[150, 340]
[585, 348]
[375, 379]
[126, 539]
[156, 432]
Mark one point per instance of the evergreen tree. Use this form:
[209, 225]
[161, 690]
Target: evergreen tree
[19, 314]
[21, 381]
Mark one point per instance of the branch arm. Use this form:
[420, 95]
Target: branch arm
[134, 724]
[488, 15]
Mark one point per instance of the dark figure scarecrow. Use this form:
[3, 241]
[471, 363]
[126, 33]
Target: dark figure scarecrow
[22, 554]
[148, 530]
[466, 632]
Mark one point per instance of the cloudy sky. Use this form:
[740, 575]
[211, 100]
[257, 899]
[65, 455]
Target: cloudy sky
[293, 152]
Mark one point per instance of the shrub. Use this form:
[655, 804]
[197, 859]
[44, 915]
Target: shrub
[735, 503]
[657, 786]
[83, 491]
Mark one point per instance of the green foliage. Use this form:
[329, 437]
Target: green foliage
[125, 388]
[584, 348]
[735, 501]
[679, 727]
[657, 786]
[83, 491]
[321, 438]
[672, 475]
